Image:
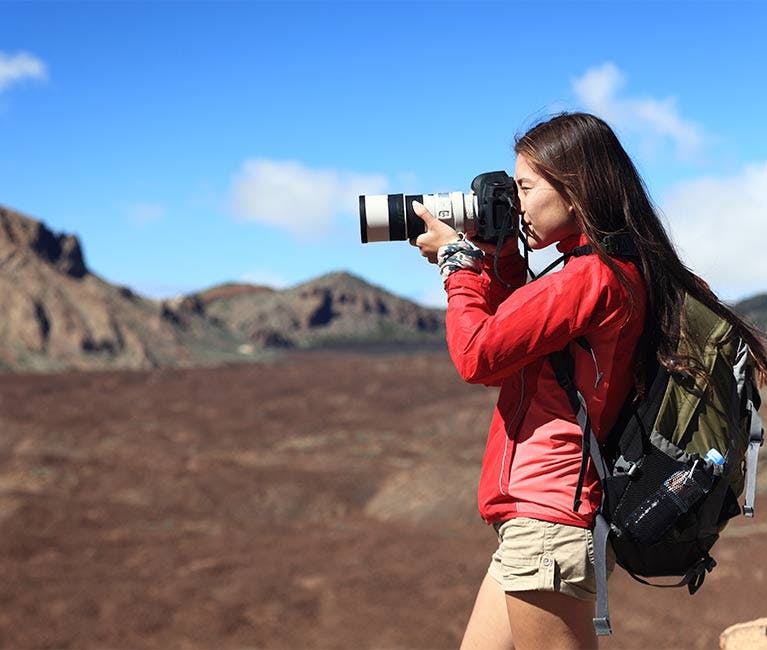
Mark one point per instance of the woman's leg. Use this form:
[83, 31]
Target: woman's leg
[488, 627]
[550, 620]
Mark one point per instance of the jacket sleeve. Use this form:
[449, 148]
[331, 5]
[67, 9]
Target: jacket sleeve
[513, 274]
[487, 344]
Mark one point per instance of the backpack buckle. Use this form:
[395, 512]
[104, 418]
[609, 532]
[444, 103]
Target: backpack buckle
[756, 427]
[624, 466]
[602, 626]
[697, 574]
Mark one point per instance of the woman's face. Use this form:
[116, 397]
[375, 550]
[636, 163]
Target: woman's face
[546, 218]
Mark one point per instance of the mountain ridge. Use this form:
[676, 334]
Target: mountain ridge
[335, 308]
[60, 315]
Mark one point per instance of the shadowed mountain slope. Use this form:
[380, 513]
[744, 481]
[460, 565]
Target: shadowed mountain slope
[337, 308]
[755, 310]
[57, 314]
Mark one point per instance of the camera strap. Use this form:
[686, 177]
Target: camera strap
[556, 262]
[506, 230]
[618, 244]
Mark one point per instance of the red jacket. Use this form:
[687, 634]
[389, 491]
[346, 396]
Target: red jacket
[502, 337]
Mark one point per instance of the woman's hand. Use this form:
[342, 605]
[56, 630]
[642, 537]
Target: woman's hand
[437, 233]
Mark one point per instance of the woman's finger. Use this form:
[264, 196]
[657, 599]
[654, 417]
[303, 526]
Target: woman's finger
[421, 211]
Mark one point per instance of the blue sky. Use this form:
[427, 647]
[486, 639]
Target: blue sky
[193, 143]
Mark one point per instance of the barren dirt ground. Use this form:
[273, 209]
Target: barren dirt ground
[317, 501]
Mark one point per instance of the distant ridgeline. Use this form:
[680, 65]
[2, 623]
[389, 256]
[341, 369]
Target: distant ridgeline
[754, 310]
[58, 314]
[335, 309]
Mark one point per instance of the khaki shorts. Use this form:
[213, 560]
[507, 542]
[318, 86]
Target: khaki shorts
[538, 555]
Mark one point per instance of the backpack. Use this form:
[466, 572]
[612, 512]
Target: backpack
[674, 465]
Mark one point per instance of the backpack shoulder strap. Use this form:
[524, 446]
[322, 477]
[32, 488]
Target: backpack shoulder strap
[620, 244]
[562, 363]
[755, 440]
[600, 536]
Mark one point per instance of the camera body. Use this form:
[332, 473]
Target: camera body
[497, 201]
[489, 210]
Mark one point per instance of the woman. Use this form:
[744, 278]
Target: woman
[576, 186]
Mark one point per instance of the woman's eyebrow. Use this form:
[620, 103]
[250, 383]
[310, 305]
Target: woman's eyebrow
[522, 180]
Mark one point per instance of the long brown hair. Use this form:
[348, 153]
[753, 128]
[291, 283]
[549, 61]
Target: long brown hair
[580, 155]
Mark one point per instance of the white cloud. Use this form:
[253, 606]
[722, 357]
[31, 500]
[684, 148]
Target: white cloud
[599, 89]
[719, 225]
[302, 200]
[16, 67]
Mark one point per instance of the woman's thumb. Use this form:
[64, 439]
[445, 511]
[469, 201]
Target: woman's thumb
[421, 211]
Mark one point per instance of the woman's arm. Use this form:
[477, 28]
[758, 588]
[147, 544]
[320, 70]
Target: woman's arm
[534, 320]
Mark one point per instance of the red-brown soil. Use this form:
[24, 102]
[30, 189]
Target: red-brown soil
[317, 501]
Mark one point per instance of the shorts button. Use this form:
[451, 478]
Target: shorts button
[546, 561]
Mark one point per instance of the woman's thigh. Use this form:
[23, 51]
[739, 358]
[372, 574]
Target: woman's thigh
[534, 619]
[488, 627]
[551, 620]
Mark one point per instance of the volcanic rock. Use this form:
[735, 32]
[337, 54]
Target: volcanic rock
[58, 314]
[334, 309]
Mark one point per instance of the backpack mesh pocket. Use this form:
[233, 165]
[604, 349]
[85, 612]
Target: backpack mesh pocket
[658, 495]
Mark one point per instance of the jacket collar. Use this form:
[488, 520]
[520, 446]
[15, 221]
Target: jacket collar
[569, 243]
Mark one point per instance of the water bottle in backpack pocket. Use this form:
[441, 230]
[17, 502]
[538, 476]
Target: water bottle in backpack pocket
[652, 518]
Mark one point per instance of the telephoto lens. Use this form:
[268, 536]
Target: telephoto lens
[390, 217]
[489, 212]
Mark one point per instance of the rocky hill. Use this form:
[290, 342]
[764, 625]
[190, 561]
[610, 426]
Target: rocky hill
[755, 310]
[335, 309]
[58, 314]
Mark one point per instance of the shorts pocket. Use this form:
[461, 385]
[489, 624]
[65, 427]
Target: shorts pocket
[523, 564]
[574, 549]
